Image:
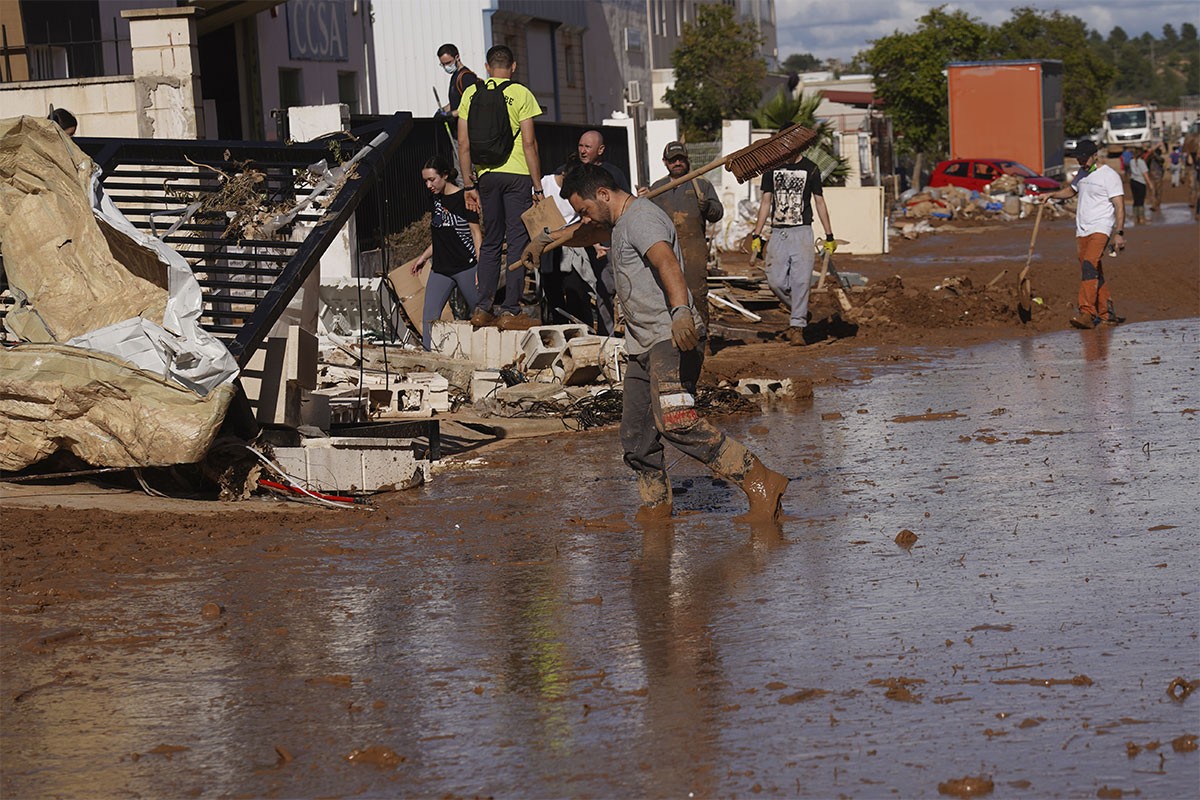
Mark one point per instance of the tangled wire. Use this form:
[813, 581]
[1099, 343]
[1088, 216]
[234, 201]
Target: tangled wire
[604, 408]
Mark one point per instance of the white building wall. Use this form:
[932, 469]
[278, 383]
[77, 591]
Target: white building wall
[407, 36]
[320, 78]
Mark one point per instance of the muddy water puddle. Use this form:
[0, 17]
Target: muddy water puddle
[512, 632]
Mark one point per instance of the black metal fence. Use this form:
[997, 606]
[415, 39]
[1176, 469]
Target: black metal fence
[399, 198]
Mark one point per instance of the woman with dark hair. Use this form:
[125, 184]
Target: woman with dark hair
[65, 120]
[454, 248]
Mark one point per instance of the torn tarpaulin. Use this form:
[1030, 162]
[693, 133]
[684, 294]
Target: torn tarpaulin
[82, 274]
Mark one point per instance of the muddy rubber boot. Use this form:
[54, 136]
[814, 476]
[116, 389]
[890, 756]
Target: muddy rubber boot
[655, 490]
[764, 488]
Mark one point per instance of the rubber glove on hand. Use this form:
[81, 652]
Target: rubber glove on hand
[831, 246]
[531, 256]
[683, 329]
[756, 246]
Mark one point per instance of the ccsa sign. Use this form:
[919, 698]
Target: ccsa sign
[317, 30]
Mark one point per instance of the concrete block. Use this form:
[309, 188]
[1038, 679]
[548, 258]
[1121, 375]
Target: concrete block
[435, 388]
[510, 346]
[353, 464]
[485, 383]
[582, 360]
[541, 347]
[314, 410]
[765, 388]
[451, 338]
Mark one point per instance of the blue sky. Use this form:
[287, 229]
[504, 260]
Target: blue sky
[840, 28]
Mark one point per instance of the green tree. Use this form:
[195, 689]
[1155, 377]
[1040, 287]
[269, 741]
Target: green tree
[801, 62]
[783, 109]
[908, 72]
[717, 72]
[1187, 32]
[1087, 76]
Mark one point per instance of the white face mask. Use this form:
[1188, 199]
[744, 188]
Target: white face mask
[450, 68]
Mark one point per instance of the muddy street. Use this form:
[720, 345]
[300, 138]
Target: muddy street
[511, 631]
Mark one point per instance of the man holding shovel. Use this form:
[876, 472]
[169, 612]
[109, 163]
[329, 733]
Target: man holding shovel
[661, 324]
[1099, 222]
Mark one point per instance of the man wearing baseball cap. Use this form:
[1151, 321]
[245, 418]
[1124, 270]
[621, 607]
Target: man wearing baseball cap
[1099, 220]
[691, 207]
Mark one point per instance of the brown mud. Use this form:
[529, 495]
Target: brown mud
[510, 629]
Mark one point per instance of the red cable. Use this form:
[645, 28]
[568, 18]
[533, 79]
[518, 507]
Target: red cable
[307, 493]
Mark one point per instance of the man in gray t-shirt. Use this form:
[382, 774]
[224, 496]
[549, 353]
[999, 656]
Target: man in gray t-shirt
[661, 323]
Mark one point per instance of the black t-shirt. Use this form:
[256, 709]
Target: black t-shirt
[792, 187]
[460, 81]
[453, 246]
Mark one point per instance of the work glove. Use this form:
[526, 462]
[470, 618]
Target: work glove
[531, 256]
[683, 329]
[756, 246]
[830, 244]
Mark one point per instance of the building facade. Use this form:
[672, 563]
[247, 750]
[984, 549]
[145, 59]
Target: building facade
[252, 61]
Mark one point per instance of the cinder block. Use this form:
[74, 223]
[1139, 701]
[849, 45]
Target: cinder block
[485, 383]
[582, 360]
[435, 387]
[765, 388]
[347, 464]
[314, 409]
[541, 347]
[451, 338]
[510, 347]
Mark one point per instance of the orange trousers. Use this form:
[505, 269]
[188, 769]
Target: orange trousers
[1094, 298]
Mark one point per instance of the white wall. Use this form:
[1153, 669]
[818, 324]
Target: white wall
[320, 78]
[103, 106]
[407, 37]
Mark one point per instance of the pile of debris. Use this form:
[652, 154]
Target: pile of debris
[1004, 199]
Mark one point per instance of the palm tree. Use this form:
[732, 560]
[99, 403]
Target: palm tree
[783, 110]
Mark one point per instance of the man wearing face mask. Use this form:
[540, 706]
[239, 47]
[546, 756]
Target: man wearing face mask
[460, 77]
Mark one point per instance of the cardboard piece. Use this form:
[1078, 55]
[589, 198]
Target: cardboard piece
[410, 288]
[543, 215]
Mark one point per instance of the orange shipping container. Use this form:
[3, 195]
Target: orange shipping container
[1008, 109]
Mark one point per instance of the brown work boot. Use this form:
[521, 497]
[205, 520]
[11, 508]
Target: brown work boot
[482, 318]
[795, 336]
[1085, 322]
[764, 488]
[516, 322]
[655, 490]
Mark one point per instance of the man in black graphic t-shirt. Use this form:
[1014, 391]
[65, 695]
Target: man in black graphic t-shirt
[789, 195]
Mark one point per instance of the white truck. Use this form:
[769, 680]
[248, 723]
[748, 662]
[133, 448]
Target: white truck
[1129, 126]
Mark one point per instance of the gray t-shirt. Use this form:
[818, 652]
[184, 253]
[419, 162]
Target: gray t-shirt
[647, 310]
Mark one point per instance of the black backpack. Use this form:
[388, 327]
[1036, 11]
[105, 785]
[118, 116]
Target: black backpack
[488, 126]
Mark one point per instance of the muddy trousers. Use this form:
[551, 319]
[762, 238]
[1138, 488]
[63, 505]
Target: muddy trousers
[437, 293]
[1094, 298]
[504, 197]
[789, 269]
[657, 406]
[1139, 200]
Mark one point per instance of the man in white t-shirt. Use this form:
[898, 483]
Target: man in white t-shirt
[1099, 220]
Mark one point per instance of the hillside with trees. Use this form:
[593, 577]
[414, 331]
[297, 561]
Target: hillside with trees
[1098, 71]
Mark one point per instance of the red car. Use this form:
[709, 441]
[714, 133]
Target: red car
[975, 173]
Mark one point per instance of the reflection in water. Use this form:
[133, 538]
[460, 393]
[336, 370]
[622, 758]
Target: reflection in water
[675, 601]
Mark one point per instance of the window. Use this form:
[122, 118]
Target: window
[569, 57]
[348, 90]
[984, 171]
[291, 88]
[958, 169]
